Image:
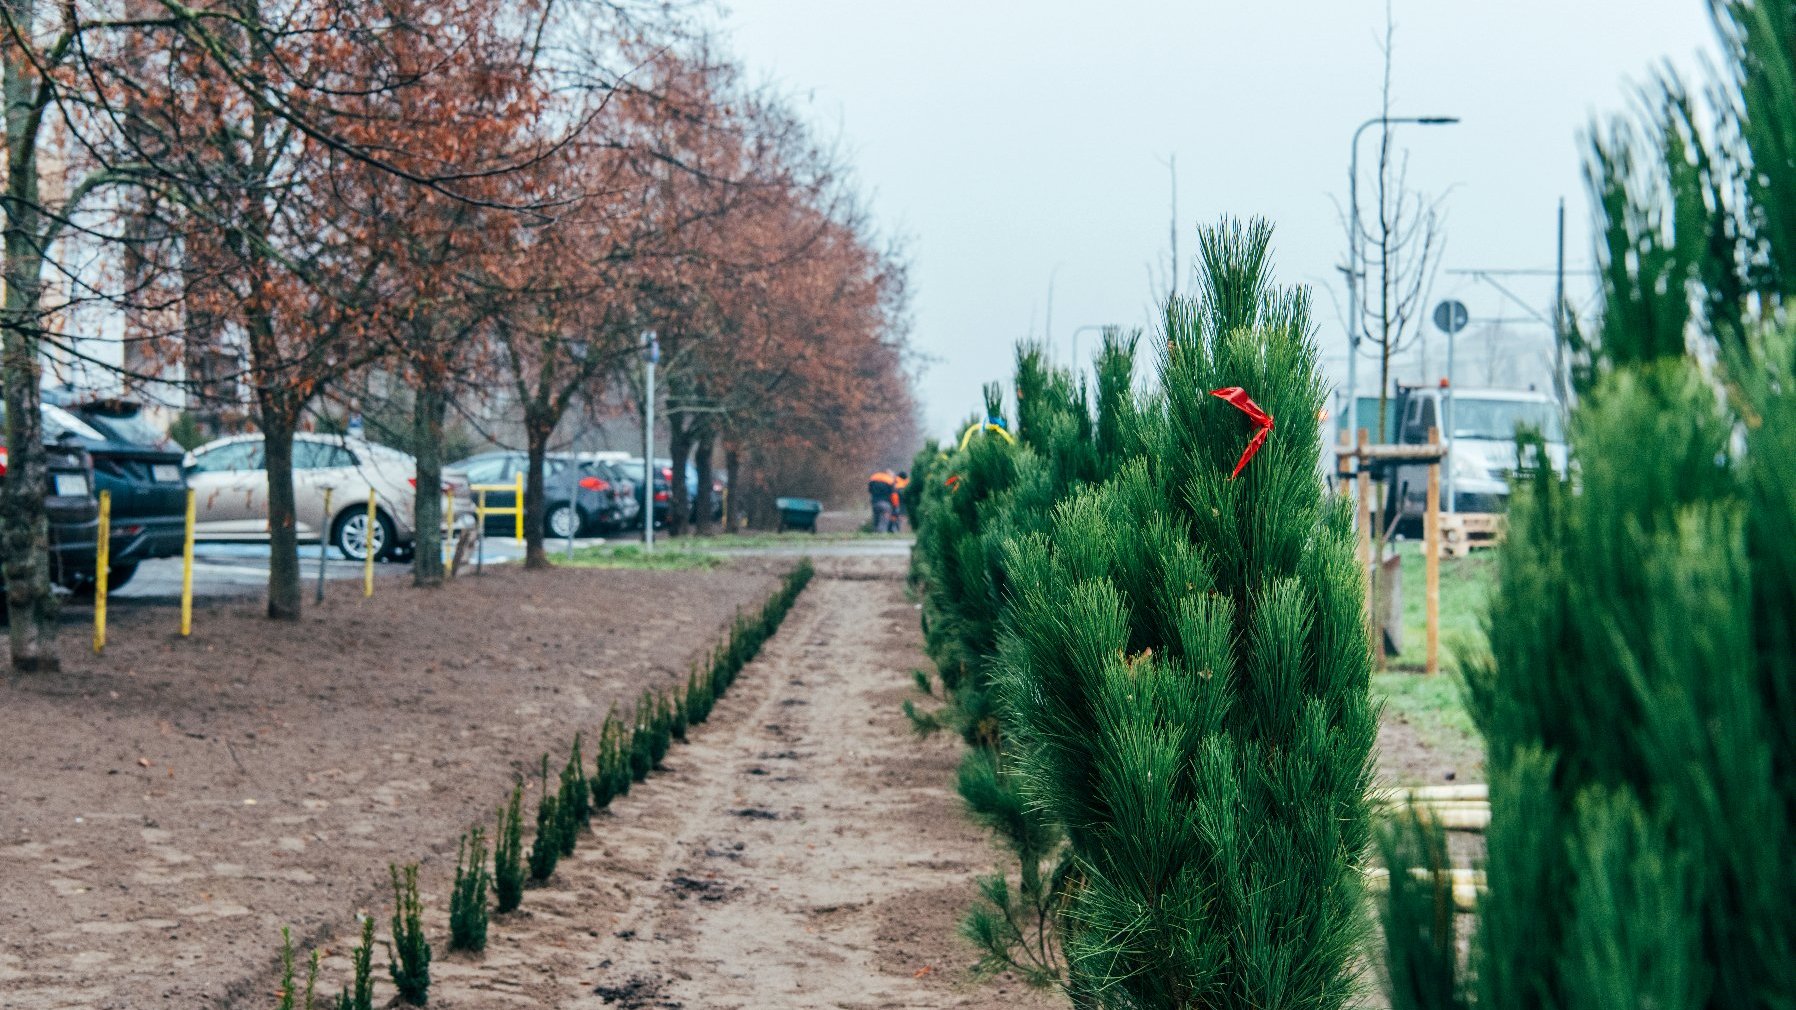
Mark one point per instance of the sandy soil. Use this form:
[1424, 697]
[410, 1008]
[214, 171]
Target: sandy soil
[1406, 759]
[804, 850]
[167, 808]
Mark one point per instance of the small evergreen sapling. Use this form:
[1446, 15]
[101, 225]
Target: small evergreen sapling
[663, 738]
[409, 952]
[545, 848]
[360, 995]
[291, 996]
[508, 854]
[642, 756]
[467, 903]
[676, 712]
[571, 795]
[698, 699]
[604, 784]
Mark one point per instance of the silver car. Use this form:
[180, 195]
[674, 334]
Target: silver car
[230, 483]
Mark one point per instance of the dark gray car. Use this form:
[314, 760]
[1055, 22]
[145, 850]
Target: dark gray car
[583, 495]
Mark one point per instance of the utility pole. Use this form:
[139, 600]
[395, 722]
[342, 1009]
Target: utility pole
[1561, 382]
[651, 355]
[1172, 171]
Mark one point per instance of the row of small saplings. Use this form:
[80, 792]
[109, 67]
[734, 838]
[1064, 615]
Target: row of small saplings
[626, 755]
[1452, 808]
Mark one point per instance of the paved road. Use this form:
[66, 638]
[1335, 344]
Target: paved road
[237, 570]
[227, 570]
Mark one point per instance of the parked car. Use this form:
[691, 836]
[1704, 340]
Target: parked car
[663, 489]
[580, 495]
[1481, 454]
[146, 481]
[230, 479]
[625, 510]
[69, 501]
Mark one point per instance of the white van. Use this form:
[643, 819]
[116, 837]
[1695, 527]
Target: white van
[1479, 426]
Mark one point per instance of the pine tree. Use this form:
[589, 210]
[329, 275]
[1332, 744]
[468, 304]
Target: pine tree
[1185, 677]
[1637, 702]
[978, 500]
[360, 994]
[1637, 708]
[508, 854]
[467, 901]
[409, 951]
[545, 848]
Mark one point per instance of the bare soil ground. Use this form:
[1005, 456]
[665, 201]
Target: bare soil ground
[165, 809]
[804, 850]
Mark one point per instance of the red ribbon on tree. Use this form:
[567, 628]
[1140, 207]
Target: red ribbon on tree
[1262, 421]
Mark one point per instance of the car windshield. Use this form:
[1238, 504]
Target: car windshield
[129, 426]
[58, 421]
[1498, 420]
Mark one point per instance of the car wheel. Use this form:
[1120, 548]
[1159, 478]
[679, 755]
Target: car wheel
[118, 575]
[561, 522]
[350, 534]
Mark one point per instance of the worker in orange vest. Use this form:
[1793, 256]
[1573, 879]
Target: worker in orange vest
[881, 489]
[901, 482]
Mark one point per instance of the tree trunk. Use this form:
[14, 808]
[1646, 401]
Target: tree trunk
[702, 458]
[754, 491]
[24, 526]
[679, 446]
[732, 498]
[283, 520]
[536, 437]
[428, 408]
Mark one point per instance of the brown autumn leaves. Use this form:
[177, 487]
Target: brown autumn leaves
[487, 201]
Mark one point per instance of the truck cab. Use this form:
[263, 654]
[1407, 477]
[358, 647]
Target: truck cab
[1479, 427]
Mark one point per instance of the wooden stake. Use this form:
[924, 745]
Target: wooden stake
[1363, 486]
[1431, 550]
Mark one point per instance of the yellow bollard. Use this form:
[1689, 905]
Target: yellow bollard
[519, 505]
[102, 566]
[187, 569]
[368, 548]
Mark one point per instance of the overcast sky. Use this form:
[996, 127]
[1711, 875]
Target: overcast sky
[1017, 142]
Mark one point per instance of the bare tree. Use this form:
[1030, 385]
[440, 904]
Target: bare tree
[1399, 250]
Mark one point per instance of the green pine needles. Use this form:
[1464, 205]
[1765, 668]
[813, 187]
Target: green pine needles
[1638, 710]
[973, 503]
[508, 853]
[409, 952]
[467, 902]
[1185, 677]
[360, 994]
[292, 996]
[545, 848]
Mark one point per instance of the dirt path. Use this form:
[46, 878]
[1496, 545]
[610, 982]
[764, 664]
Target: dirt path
[804, 850]
[166, 808]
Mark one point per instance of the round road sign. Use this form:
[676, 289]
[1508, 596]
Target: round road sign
[1451, 316]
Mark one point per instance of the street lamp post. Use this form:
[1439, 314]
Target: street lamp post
[1350, 412]
[1100, 327]
[651, 356]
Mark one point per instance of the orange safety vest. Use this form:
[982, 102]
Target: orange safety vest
[880, 477]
